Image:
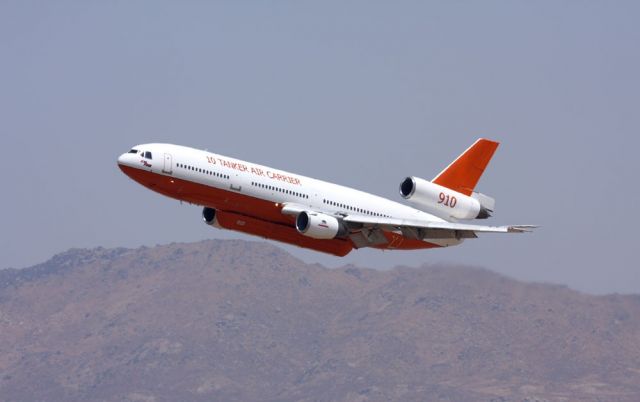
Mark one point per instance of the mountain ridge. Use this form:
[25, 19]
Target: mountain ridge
[237, 320]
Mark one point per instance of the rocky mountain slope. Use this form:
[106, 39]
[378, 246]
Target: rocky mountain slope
[244, 321]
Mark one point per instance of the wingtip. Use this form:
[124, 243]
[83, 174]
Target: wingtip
[522, 228]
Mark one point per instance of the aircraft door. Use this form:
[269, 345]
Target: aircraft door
[168, 164]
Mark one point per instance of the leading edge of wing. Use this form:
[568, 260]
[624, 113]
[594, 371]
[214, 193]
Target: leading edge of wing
[392, 223]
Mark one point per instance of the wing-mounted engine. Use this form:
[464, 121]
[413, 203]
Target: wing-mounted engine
[210, 217]
[319, 226]
[444, 202]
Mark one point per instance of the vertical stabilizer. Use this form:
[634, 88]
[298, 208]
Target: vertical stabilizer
[463, 174]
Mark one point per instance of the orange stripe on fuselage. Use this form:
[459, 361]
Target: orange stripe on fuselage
[213, 197]
[261, 217]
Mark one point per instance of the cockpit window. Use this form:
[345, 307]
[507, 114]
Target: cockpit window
[133, 151]
[147, 155]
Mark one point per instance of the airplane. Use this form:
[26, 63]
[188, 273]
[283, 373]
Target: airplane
[318, 215]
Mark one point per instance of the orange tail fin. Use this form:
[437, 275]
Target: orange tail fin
[463, 174]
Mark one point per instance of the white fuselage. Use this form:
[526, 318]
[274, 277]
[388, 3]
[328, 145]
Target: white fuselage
[274, 185]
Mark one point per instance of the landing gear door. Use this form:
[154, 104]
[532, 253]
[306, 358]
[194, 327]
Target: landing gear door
[168, 164]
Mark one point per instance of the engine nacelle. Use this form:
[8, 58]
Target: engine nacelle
[441, 201]
[319, 226]
[209, 216]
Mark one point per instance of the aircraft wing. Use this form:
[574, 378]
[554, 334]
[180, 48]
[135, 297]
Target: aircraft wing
[416, 228]
[367, 221]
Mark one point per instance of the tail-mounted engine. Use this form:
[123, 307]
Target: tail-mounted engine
[444, 202]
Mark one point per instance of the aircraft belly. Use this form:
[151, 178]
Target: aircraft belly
[284, 233]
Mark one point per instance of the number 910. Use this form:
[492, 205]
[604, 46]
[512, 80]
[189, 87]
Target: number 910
[447, 200]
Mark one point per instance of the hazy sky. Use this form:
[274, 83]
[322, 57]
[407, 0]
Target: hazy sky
[361, 93]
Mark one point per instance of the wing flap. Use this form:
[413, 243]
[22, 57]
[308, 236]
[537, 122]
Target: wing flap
[434, 225]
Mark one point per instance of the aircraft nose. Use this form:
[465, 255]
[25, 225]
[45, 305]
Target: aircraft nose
[126, 159]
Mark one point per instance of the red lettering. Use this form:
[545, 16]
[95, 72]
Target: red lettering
[257, 171]
[447, 200]
[282, 177]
